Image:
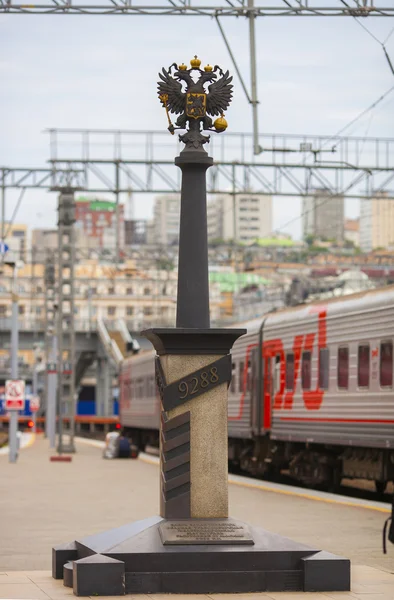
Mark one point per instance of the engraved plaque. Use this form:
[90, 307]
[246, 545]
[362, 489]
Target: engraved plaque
[205, 531]
[195, 384]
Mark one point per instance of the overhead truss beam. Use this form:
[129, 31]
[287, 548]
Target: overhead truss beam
[220, 8]
[46, 178]
[117, 162]
[249, 178]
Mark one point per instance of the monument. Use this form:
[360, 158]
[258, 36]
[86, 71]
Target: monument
[194, 546]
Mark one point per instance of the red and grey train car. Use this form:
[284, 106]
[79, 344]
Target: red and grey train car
[311, 391]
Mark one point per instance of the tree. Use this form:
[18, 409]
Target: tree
[309, 239]
[165, 263]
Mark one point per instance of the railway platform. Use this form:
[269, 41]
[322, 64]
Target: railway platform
[43, 503]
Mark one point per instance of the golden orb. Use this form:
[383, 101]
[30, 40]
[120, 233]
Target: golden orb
[182, 67]
[220, 124]
[208, 68]
[195, 62]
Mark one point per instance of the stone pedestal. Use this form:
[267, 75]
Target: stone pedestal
[208, 440]
[134, 560]
[194, 420]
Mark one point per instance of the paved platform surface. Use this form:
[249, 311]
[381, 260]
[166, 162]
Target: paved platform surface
[43, 504]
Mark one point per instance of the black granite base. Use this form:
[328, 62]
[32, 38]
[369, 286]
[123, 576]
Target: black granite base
[133, 559]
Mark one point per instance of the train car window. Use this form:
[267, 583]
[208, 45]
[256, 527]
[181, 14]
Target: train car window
[248, 376]
[324, 360]
[233, 372]
[363, 366]
[126, 390]
[277, 374]
[290, 371]
[343, 368]
[306, 370]
[241, 377]
[386, 364]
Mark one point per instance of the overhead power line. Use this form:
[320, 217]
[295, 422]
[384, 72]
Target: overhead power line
[339, 132]
[373, 36]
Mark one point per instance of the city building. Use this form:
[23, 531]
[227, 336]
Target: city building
[97, 220]
[45, 241]
[142, 299]
[166, 218]
[377, 222]
[15, 237]
[44, 238]
[323, 215]
[250, 215]
[352, 231]
[150, 232]
[135, 232]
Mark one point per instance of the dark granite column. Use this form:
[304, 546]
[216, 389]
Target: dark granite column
[193, 280]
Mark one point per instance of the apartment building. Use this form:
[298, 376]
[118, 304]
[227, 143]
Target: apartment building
[377, 222]
[166, 217]
[243, 217]
[323, 215]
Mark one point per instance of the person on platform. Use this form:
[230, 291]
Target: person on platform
[389, 525]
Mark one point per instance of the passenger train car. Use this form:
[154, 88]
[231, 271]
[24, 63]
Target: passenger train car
[311, 392]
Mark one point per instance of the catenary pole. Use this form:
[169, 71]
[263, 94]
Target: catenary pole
[13, 424]
[253, 77]
[51, 399]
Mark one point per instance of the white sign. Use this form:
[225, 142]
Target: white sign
[14, 394]
[34, 403]
[3, 248]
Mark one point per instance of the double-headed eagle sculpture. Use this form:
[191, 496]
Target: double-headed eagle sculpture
[193, 102]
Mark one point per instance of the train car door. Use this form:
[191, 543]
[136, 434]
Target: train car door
[267, 392]
[254, 390]
[271, 385]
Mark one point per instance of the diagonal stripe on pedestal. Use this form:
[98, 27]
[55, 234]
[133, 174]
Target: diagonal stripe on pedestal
[175, 475]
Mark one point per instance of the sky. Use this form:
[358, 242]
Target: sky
[314, 76]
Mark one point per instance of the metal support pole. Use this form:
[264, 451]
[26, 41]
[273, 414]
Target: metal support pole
[3, 209]
[35, 392]
[50, 354]
[13, 424]
[234, 194]
[90, 312]
[65, 320]
[234, 205]
[106, 387]
[99, 388]
[117, 215]
[253, 76]
[51, 397]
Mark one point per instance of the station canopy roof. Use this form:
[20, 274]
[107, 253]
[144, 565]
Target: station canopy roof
[274, 242]
[97, 204]
[233, 282]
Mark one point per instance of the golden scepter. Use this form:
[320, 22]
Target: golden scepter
[164, 99]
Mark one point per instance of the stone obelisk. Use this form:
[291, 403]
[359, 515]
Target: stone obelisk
[193, 367]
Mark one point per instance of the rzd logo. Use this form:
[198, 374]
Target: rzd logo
[283, 399]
